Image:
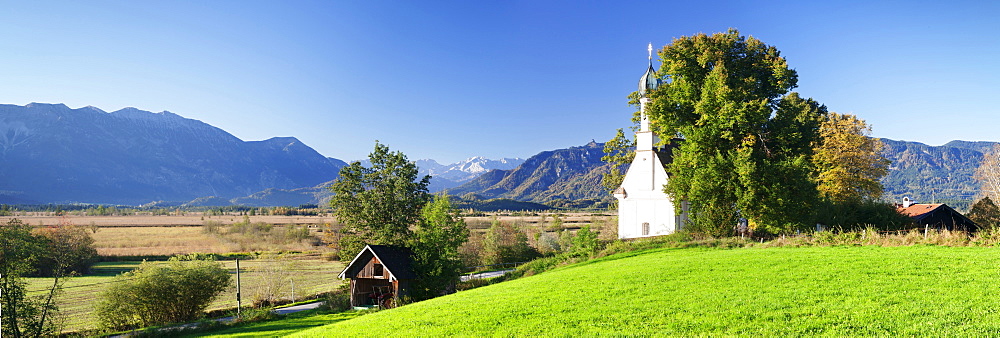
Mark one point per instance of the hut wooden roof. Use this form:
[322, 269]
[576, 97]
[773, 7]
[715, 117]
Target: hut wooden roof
[397, 260]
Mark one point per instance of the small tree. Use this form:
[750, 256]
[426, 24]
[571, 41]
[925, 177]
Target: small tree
[71, 251]
[505, 243]
[985, 213]
[274, 275]
[156, 294]
[23, 315]
[435, 243]
[585, 242]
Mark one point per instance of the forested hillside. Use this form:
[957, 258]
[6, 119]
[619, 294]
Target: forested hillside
[564, 174]
[933, 173]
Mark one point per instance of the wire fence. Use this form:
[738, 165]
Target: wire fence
[280, 280]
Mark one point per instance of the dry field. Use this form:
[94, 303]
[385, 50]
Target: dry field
[605, 223]
[149, 235]
[190, 219]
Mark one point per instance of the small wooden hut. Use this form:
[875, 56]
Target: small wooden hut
[379, 274]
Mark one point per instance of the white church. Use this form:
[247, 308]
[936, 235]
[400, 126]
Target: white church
[643, 208]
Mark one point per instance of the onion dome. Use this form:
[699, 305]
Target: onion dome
[649, 81]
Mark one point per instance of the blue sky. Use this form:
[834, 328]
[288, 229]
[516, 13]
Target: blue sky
[453, 79]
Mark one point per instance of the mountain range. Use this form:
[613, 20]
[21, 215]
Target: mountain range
[53, 154]
[563, 174]
[455, 174]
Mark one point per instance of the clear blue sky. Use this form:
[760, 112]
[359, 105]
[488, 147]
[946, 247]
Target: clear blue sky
[450, 80]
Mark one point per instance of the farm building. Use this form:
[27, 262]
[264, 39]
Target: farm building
[936, 216]
[643, 208]
[379, 274]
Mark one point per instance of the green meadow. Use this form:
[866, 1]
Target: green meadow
[845, 290]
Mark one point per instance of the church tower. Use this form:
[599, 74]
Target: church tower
[643, 208]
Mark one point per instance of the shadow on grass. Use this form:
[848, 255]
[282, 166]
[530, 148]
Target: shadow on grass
[281, 326]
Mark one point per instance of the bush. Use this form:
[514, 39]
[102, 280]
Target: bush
[585, 242]
[337, 301]
[985, 213]
[505, 243]
[157, 294]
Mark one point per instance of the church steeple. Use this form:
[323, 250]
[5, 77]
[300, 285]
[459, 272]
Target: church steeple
[647, 83]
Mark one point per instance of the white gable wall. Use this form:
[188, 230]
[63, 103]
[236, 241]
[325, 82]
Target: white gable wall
[644, 201]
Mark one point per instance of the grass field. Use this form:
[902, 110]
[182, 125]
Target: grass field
[310, 275]
[294, 322]
[870, 290]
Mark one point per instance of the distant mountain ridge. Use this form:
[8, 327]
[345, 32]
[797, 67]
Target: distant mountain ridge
[564, 174]
[453, 175]
[53, 154]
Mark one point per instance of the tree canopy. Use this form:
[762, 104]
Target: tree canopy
[747, 141]
[849, 163]
[378, 203]
[985, 213]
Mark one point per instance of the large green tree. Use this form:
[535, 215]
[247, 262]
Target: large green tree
[747, 140]
[378, 203]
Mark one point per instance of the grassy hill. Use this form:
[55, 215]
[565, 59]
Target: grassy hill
[915, 290]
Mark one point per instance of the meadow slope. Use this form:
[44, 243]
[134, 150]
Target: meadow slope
[916, 290]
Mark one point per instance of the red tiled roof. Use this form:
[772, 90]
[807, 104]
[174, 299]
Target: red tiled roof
[916, 210]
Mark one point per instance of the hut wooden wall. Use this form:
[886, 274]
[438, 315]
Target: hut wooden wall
[369, 270]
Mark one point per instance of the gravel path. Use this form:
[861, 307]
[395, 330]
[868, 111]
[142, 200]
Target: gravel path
[482, 275]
